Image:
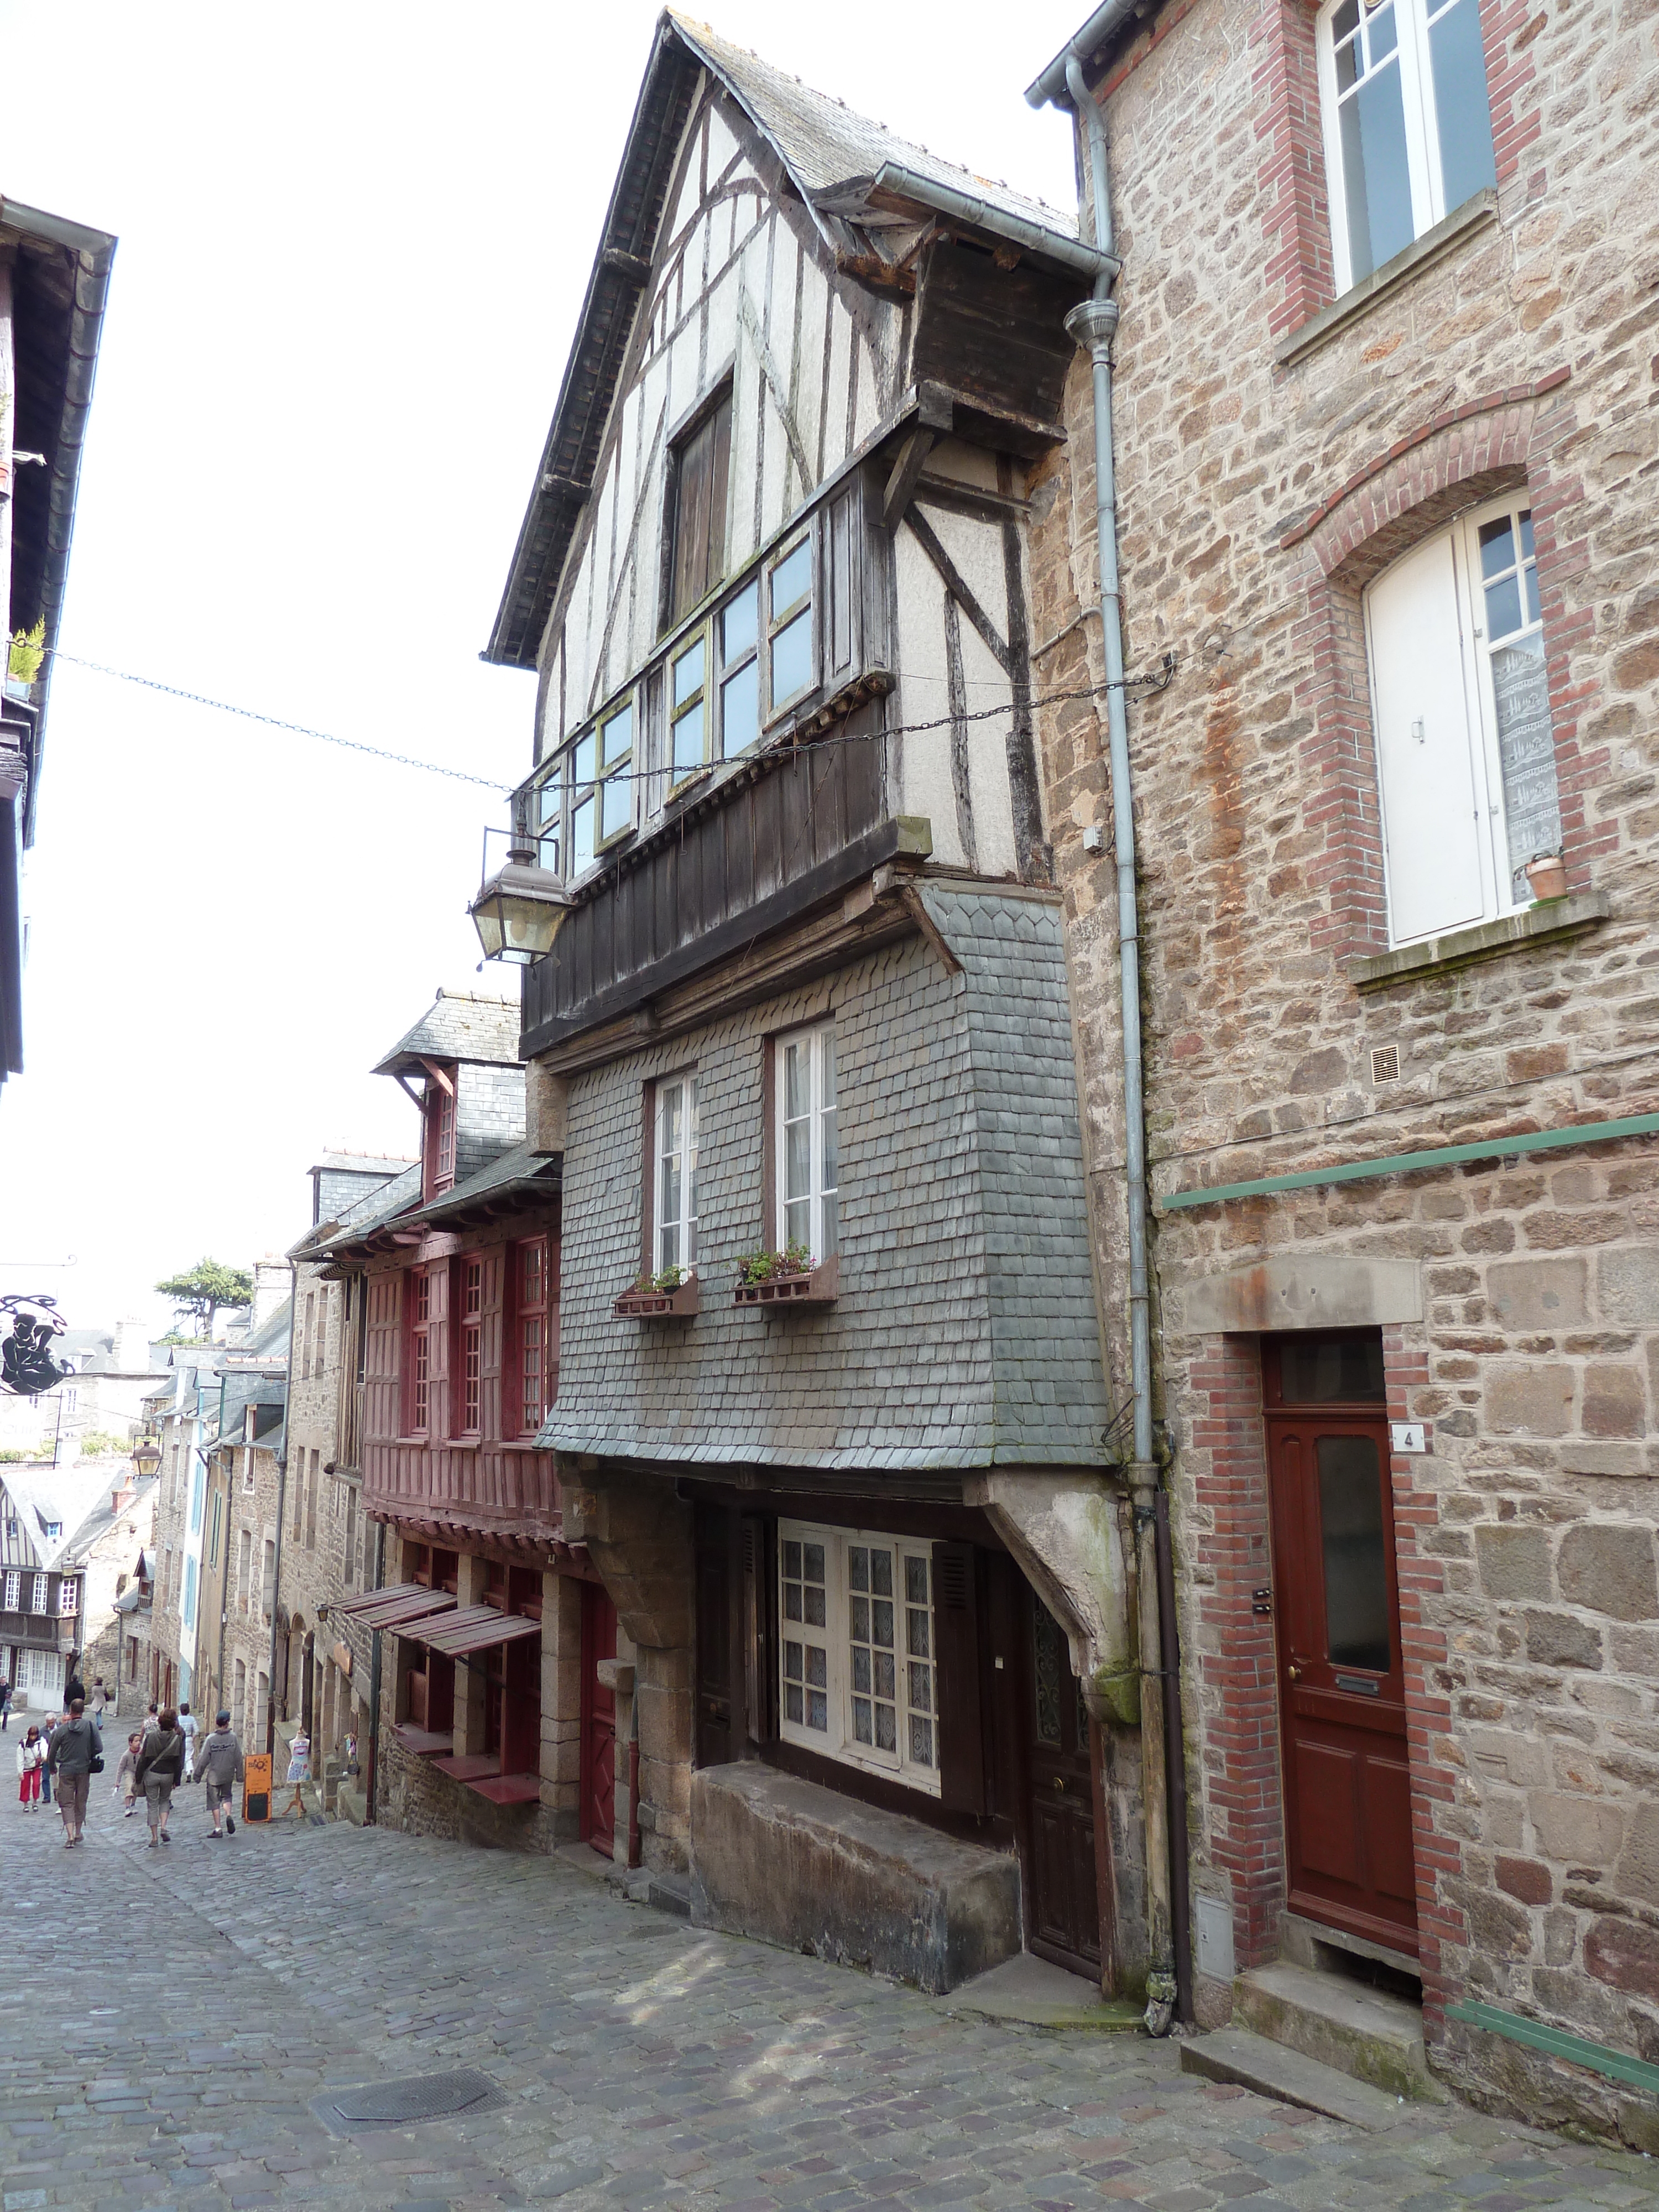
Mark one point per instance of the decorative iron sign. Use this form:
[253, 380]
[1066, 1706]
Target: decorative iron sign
[27, 1366]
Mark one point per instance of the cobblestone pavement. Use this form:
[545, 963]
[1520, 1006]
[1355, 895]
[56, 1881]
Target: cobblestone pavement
[169, 2015]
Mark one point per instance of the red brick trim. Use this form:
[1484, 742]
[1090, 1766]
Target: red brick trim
[1493, 403]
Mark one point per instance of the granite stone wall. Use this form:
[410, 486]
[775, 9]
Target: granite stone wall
[1268, 467]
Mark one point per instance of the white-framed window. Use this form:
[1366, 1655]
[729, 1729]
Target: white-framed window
[1461, 711]
[808, 1167]
[586, 802]
[688, 711]
[187, 1611]
[1408, 126]
[37, 1593]
[69, 1594]
[858, 1670]
[737, 627]
[792, 664]
[14, 1590]
[675, 1210]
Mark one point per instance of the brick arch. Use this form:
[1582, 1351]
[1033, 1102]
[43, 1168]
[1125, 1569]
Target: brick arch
[1504, 441]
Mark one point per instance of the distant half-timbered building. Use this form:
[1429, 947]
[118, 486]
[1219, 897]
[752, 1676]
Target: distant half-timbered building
[830, 1421]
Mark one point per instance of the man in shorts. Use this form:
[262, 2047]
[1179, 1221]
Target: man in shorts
[219, 1764]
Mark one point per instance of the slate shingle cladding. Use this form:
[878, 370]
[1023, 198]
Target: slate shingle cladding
[965, 1333]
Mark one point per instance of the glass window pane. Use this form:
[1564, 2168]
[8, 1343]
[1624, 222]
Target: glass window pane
[548, 852]
[920, 1682]
[881, 1573]
[818, 1710]
[814, 1612]
[739, 624]
[1381, 35]
[1330, 1370]
[792, 1607]
[818, 1665]
[797, 1079]
[1527, 546]
[582, 835]
[812, 1562]
[797, 1228]
[618, 735]
[586, 756]
[881, 1622]
[861, 1668]
[830, 1165]
[792, 658]
[863, 1730]
[1526, 753]
[886, 1674]
[916, 1583]
[1531, 575]
[616, 803]
[1346, 22]
[859, 1612]
[792, 578]
[792, 1561]
[687, 740]
[1502, 607]
[886, 1728]
[796, 1176]
[1350, 1533]
[1375, 176]
[827, 1051]
[688, 674]
[547, 801]
[922, 1741]
[1497, 546]
[740, 710]
[793, 1708]
[858, 1567]
[1462, 108]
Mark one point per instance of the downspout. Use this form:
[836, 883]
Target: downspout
[1094, 324]
[282, 1514]
[372, 1804]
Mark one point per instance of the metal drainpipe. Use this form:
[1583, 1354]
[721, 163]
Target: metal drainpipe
[372, 1795]
[282, 1516]
[1093, 324]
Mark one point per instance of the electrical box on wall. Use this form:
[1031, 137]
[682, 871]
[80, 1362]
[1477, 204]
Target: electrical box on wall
[1214, 1919]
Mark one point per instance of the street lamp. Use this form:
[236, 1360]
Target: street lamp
[519, 910]
[146, 1457]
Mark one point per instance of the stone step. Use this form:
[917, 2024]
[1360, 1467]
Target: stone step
[1361, 2032]
[1272, 2069]
[671, 1892]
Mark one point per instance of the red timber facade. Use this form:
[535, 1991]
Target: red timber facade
[450, 1281]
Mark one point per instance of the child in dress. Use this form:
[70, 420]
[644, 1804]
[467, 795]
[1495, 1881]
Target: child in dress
[31, 1765]
[126, 1776]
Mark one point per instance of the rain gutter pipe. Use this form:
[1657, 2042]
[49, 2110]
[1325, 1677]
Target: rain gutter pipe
[1093, 325]
[1076, 254]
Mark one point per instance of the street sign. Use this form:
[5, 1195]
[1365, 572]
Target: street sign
[256, 1787]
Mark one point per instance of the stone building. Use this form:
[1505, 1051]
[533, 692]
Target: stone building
[831, 1423]
[111, 1547]
[1385, 458]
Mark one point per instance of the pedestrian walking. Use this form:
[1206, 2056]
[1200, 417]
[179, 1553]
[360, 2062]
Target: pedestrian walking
[31, 1753]
[75, 1754]
[219, 1764]
[126, 1775]
[101, 1700]
[74, 1687]
[46, 1730]
[187, 1729]
[160, 1763]
[5, 1706]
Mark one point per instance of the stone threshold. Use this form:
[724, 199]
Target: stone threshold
[1458, 948]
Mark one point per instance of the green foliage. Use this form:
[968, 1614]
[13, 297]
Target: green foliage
[14, 1458]
[768, 1267]
[665, 1279]
[97, 1442]
[29, 650]
[201, 1291]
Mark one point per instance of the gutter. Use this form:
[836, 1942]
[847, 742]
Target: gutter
[94, 253]
[1107, 20]
[1084, 260]
[282, 1516]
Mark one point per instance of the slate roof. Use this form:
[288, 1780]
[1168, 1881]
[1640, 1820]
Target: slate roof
[400, 1195]
[520, 1169]
[459, 1025]
[363, 1164]
[824, 142]
[66, 1495]
[103, 1515]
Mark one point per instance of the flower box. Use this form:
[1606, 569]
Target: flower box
[803, 1286]
[639, 1302]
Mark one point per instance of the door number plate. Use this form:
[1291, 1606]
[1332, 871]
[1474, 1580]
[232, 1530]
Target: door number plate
[1409, 1436]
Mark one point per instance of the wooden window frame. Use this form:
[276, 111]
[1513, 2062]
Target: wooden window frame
[68, 1587]
[686, 1225]
[467, 1393]
[581, 772]
[527, 1309]
[687, 582]
[14, 1590]
[1498, 896]
[1411, 57]
[776, 619]
[417, 1412]
[438, 1136]
[838, 1741]
[776, 1151]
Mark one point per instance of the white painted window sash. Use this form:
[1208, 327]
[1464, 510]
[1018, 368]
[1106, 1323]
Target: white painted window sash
[807, 1187]
[674, 1214]
[839, 1739]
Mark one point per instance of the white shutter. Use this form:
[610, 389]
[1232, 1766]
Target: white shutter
[1424, 756]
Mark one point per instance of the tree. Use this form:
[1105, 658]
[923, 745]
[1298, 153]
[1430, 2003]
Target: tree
[201, 1291]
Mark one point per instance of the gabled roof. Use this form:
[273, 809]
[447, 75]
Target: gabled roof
[459, 1025]
[519, 1174]
[43, 1495]
[852, 173]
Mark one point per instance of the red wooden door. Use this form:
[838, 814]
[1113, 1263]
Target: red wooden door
[599, 1748]
[1342, 1696]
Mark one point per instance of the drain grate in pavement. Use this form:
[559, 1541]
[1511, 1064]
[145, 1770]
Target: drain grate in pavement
[402, 2103]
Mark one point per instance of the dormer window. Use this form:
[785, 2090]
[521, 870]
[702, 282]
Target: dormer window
[440, 1146]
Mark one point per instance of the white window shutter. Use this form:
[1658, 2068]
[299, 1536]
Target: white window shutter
[1424, 756]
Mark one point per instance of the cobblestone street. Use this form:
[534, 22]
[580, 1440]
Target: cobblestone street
[170, 2015]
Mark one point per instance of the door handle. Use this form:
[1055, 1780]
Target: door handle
[1294, 1672]
[1059, 1782]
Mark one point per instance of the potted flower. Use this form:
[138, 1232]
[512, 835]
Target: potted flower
[669, 1295]
[792, 1277]
[1546, 876]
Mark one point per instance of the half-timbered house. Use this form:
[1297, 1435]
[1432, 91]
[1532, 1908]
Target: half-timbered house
[831, 1420]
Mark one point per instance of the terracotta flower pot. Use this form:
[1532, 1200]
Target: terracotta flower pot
[1548, 876]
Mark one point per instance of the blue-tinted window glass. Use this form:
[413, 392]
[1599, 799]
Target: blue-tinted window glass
[1376, 181]
[1464, 114]
[739, 624]
[740, 710]
[582, 835]
[792, 658]
[587, 757]
[792, 578]
[688, 674]
[687, 740]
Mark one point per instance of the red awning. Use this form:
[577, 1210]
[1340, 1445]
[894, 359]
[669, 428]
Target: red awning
[397, 1606]
[476, 1629]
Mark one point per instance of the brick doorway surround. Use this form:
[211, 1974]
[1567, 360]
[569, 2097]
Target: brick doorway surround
[1234, 1677]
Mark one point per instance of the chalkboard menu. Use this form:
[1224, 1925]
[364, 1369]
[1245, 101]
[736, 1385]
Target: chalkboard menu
[1526, 748]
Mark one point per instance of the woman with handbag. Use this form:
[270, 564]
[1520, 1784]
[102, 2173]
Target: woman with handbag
[160, 1763]
[30, 1753]
[75, 1754]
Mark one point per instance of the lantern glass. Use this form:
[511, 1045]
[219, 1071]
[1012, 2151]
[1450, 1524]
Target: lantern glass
[518, 913]
[146, 1457]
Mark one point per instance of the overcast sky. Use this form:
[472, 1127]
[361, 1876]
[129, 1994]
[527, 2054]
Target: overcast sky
[354, 238]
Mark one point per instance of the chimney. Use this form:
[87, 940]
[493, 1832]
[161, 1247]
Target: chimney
[129, 1354]
[122, 1498]
[270, 1287]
